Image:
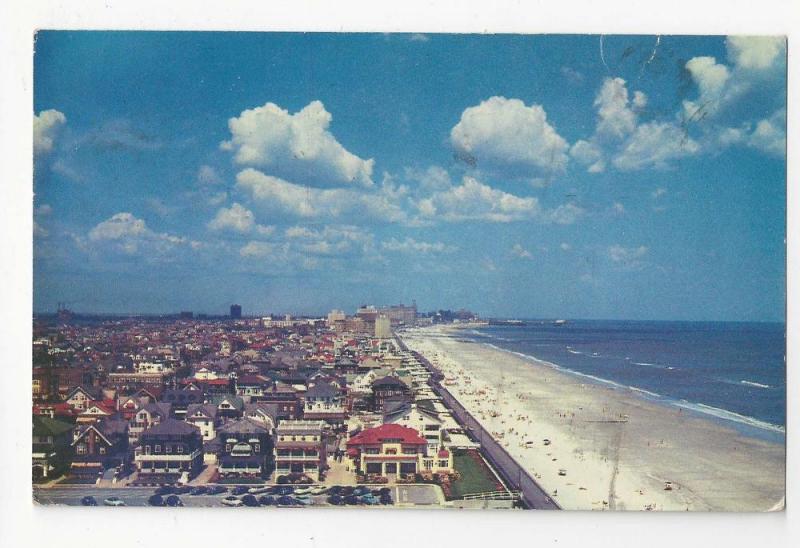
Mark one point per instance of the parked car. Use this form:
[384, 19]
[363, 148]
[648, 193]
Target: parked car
[250, 500]
[165, 490]
[201, 490]
[370, 499]
[88, 501]
[182, 489]
[232, 501]
[386, 499]
[303, 490]
[156, 500]
[283, 490]
[114, 501]
[217, 490]
[258, 490]
[361, 490]
[266, 500]
[174, 500]
[239, 490]
[336, 500]
[352, 499]
[286, 500]
[319, 490]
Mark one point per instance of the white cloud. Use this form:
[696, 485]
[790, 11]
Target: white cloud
[658, 193]
[282, 196]
[769, 134]
[627, 257]
[410, 245]
[756, 52]
[588, 154]
[129, 235]
[616, 119]
[521, 252]
[258, 249]
[618, 208]
[709, 75]
[505, 136]
[473, 200]
[207, 175]
[565, 246]
[430, 179]
[565, 214]
[237, 218]
[330, 240]
[655, 144]
[297, 147]
[45, 128]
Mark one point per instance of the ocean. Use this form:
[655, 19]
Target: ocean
[731, 371]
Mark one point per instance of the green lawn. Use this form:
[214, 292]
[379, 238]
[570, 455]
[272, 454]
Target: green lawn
[474, 478]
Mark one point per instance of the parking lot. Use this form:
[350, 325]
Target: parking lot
[400, 496]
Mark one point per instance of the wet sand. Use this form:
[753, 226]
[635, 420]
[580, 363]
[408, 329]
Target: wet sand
[609, 448]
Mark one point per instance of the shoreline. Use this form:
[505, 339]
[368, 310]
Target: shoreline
[609, 446]
[746, 425]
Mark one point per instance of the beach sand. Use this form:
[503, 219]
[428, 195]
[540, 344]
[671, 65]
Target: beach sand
[617, 448]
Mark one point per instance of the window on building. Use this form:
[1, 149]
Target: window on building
[157, 449]
[168, 449]
[391, 451]
[371, 451]
[442, 464]
[428, 464]
[81, 449]
[146, 449]
[257, 447]
[102, 450]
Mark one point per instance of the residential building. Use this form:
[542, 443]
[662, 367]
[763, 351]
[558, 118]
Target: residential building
[204, 416]
[51, 447]
[392, 449]
[300, 448]
[245, 449]
[149, 415]
[170, 451]
[324, 400]
[98, 447]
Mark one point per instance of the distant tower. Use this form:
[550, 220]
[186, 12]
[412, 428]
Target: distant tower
[236, 311]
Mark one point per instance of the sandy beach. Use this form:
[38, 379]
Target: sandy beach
[607, 448]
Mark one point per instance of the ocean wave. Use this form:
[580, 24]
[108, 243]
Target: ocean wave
[696, 407]
[756, 384]
[571, 351]
[729, 415]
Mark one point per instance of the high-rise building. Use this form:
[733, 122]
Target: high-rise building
[383, 327]
[236, 311]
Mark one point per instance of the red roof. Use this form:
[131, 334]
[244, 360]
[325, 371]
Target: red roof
[387, 431]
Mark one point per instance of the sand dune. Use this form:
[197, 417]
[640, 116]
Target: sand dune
[609, 448]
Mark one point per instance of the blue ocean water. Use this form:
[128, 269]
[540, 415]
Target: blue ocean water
[734, 371]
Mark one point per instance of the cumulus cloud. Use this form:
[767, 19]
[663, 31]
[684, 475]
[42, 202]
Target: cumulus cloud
[769, 134]
[473, 200]
[238, 218]
[330, 239]
[617, 120]
[291, 199]
[521, 252]
[509, 138]
[410, 245]
[45, 128]
[130, 235]
[296, 147]
[655, 145]
[756, 52]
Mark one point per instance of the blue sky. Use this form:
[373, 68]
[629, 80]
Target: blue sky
[528, 176]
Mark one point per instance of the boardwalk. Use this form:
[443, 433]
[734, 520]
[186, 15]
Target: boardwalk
[512, 473]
